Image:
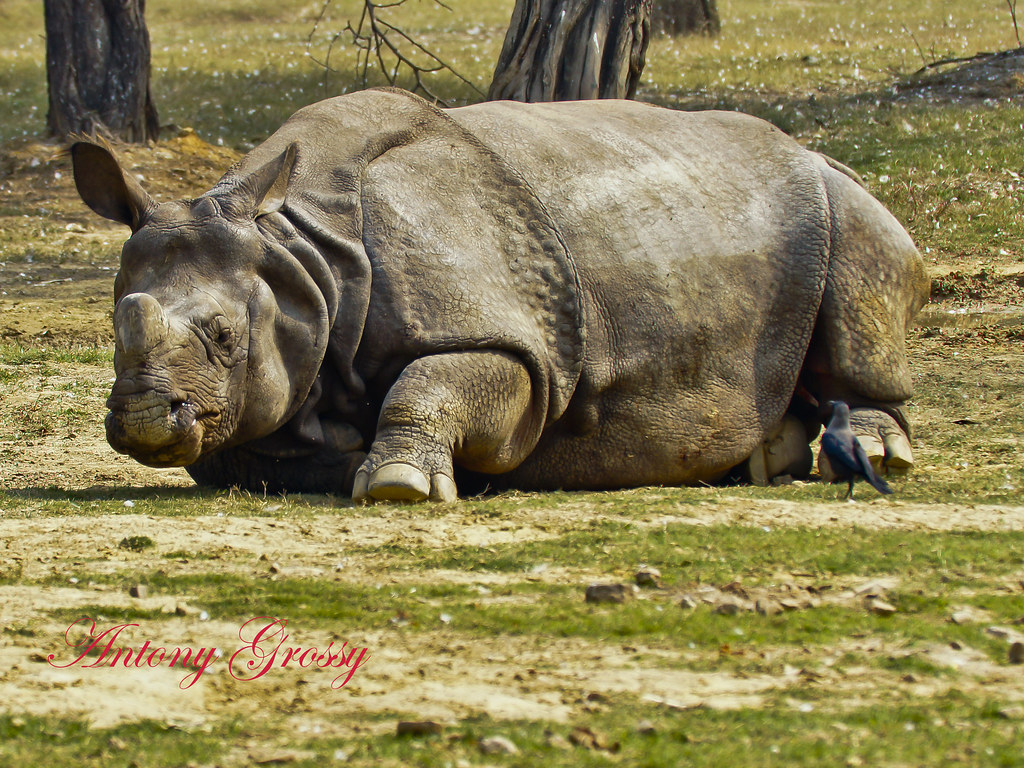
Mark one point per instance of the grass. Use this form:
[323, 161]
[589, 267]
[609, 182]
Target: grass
[958, 729]
[933, 573]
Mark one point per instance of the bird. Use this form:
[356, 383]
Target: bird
[846, 454]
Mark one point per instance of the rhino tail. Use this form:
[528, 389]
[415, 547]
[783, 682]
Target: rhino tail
[843, 169]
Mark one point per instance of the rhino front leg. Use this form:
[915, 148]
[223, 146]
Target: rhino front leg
[886, 445]
[471, 407]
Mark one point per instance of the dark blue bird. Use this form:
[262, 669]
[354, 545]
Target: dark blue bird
[845, 453]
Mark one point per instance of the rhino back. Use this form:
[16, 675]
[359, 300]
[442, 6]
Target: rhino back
[702, 244]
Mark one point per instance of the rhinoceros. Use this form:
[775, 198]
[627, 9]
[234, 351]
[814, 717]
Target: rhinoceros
[398, 302]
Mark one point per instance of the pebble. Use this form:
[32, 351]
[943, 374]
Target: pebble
[1017, 653]
[138, 590]
[646, 728]
[687, 603]
[419, 728]
[767, 607]
[727, 609]
[608, 593]
[648, 577]
[498, 745]
[556, 740]
[879, 607]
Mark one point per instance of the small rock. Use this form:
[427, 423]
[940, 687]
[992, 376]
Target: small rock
[727, 609]
[646, 728]
[608, 593]
[1003, 633]
[184, 609]
[138, 590]
[767, 607]
[648, 577]
[419, 728]
[275, 568]
[879, 607]
[687, 603]
[961, 617]
[590, 739]
[556, 740]
[498, 745]
[875, 588]
[1012, 713]
[736, 588]
[1017, 653]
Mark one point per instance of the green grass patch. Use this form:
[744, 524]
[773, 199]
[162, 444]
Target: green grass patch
[552, 611]
[30, 741]
[721, 553]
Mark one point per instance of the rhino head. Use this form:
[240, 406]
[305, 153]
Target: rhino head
[219, 328]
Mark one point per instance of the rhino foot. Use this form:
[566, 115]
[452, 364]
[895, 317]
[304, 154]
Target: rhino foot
[399, 481]
[886, 445]
[784, 452]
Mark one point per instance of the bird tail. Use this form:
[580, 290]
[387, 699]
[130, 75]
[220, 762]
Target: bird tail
[876, 482]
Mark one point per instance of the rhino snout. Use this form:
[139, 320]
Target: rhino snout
[155, 430]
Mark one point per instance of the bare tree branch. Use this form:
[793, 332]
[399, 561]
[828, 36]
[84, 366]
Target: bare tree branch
[387, 46]
[1013, 15]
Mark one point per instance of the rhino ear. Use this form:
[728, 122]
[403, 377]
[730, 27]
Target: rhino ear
[105, 187]
[266, 188]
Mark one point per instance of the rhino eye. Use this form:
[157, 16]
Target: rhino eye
[220, 332]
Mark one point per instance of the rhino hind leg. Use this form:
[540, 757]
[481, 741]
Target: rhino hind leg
[472, 407]
[884, 441]
[785, 450]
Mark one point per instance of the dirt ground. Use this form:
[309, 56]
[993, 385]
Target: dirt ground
[60, 297]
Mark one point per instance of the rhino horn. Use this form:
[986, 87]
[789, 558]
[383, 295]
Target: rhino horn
[106, 188]
[140, 325]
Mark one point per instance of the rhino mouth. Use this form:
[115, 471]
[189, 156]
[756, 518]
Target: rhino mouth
[162, 433]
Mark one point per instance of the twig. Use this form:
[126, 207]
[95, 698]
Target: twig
[381, 43]
[920, 50]
[1013, 15]
[957, 60]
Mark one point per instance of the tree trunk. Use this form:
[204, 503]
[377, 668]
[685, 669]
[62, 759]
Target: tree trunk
[686, 17]
[97, 67]
[563, 50]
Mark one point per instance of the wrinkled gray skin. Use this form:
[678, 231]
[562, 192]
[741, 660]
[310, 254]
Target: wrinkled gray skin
[384, 299]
